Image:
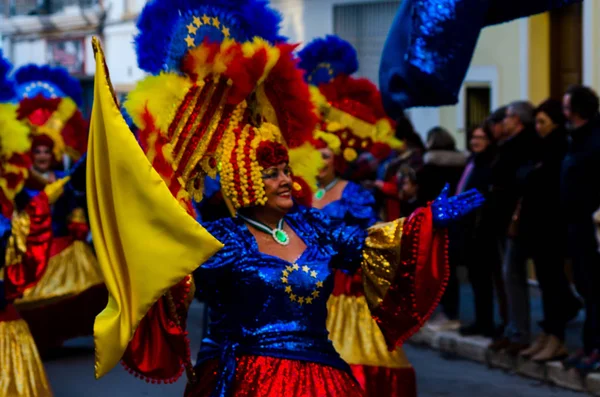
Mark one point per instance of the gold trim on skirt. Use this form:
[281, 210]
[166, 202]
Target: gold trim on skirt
[357, 337]
[21, 371]
[69, 273]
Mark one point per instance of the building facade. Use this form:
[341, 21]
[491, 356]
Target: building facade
[59, 32]
[526, 59]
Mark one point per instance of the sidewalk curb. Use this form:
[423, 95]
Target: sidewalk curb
[475, 349]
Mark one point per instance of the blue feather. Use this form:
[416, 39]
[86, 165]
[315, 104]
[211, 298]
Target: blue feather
[7, 86]
[165, 25]
[324, 59]
[48, 81]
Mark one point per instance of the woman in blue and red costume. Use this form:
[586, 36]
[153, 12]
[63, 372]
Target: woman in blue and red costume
[239, 106]
[355, 107]
[21, 371]
[71, 283]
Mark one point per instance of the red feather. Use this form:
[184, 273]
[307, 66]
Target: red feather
[289, 94]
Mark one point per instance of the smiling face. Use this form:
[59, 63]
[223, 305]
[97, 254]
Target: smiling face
[42, 158]
[327, 173]
[278, 188]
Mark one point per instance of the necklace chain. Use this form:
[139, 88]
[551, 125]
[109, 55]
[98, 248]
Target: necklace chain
[278, 234]
[321, 192]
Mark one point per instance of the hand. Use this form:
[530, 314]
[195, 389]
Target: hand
[448, 210]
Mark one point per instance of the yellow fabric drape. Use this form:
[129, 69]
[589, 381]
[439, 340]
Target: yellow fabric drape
[145, 241]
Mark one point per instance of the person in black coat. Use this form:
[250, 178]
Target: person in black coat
[580, 197]
[512, 162]
[544, 233]
[472, 242]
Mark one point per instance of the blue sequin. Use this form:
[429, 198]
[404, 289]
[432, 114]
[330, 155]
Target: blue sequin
[356, 207]
[250, 310]
[447, 210]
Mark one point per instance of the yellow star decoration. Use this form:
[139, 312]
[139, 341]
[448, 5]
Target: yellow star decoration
[226, 32]
[192, 29]
[190, 41]
[197, 21]
[206, 19]
[289, 290]
[216, 23]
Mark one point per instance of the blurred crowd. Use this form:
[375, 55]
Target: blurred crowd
[537, 168]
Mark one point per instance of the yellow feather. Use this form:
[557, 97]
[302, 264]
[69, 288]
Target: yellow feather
[306, 162]
[161, 95]
[14, 134]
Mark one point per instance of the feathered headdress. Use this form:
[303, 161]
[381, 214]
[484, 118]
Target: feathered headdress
[48, 101]
[14, 143]
[352, 116]
[223, 87]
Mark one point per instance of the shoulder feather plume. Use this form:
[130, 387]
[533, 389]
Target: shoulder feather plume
[51, 82]
[324, 59]
[185, 24]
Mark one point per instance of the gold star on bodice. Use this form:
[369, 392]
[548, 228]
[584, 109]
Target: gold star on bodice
[289, 289]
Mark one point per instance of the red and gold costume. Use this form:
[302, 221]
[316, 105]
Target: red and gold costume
[71, 283]
[21, 371]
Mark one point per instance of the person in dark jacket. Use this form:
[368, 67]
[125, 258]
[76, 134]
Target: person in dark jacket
[442, 164]
[544, 236]
[580, 196]
[472, 243]
[512, 161]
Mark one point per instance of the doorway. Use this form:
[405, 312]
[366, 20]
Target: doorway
[566, 54]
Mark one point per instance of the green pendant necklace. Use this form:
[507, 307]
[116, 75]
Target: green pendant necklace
[278, 234]
[321, 192]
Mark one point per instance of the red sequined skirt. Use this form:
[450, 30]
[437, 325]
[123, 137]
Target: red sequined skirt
[258, 376]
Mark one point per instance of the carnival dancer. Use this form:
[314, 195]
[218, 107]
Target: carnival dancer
[72, 283]
[235, 103]
[349, 110]
[21, 371]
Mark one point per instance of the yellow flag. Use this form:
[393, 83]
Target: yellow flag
[145, 241]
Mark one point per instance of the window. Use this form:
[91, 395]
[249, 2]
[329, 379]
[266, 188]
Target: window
[365, 26]
[477, 108]
[44, 7]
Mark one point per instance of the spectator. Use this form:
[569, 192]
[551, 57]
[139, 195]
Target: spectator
[390, 172]
[543, 237]
[409, 194]
[472, 242]
[496, 123]
[514, 155]
[442, 164]
[580, 194]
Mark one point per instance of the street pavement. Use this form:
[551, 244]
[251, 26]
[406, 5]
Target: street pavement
[71, 374]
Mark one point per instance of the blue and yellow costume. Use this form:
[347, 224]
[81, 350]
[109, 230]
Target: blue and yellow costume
[238, 106]
[354, 121]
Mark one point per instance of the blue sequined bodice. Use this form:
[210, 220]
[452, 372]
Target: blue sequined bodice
[263, 305]
[355, 207]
